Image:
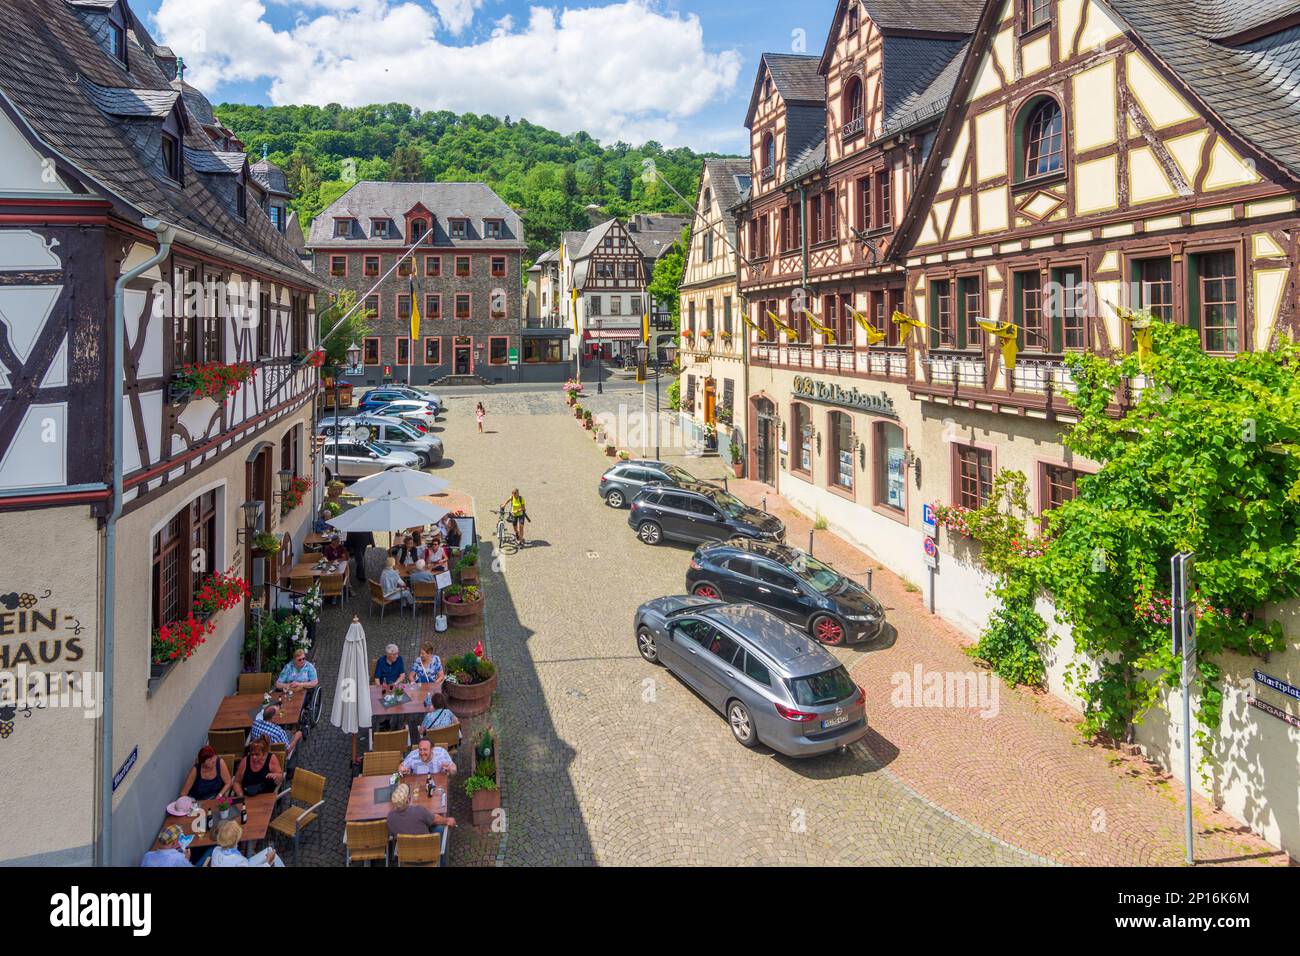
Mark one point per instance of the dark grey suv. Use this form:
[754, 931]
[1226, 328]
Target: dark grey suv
[774, 685]
[622, 483]
[696, 513]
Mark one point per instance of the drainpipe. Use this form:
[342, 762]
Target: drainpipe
[165, 234]
[803, 240]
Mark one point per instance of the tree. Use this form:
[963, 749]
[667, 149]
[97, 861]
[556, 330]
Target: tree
[667, 278]
[336, 342]
[406, 165]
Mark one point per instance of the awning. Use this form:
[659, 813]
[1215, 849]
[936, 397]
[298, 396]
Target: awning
[613, 335]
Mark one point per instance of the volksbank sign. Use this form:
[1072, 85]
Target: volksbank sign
[831, 393]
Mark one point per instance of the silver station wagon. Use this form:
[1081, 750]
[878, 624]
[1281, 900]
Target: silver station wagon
[773, 683]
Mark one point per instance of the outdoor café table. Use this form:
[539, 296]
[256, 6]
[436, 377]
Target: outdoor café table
[313, 568]
[405, 569]
[236, 712]
[260, 809]
[368, 801]
[414, 703]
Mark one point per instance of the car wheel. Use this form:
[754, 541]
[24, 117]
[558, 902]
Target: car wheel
[742, 725]
[615, 499]
[645, 643]
[706, 590]
[649, 533]
[827, 630]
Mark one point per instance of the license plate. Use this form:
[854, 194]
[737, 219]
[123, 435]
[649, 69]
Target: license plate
[835, 721]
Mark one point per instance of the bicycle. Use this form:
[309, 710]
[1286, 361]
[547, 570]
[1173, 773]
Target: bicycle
[501, 531]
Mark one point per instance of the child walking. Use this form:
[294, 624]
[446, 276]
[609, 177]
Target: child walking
[479, 413]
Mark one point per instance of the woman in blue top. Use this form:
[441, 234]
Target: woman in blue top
[439, 715]
[428, 668]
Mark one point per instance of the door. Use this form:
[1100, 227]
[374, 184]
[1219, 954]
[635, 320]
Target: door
[765, 442]
[717, 668]
[707, 523]
[675, 516]
[464, 360]
[689, 638]
[710, 401]
[779, 591]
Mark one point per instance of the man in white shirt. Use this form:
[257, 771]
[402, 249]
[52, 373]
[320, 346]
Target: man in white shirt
[426, 759]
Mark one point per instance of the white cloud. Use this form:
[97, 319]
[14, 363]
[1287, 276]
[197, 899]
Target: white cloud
[622, 71]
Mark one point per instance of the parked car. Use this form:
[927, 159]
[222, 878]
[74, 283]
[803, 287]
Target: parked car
[352, 459]
[620, 484]
[392, 432]
[376, 397]
[772, 683]
[793, 585]
[407, 410]
[696, 513]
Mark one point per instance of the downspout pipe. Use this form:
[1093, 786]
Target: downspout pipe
[166, 235]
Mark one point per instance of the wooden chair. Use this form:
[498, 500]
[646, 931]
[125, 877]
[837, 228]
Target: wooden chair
[425, 594]
[301, 583]
[332, 586]
[365, 841]
[231, 761]
[255, 683]
[422, 850]
[308, 789]
[377, 600]
[380, 761]
[448, 738]
[398, 740]
[226, 741]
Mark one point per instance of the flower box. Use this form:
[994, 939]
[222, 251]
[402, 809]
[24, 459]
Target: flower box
[461, 612]
[470, 700]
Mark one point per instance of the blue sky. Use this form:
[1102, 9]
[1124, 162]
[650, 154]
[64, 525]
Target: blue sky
[678, 71]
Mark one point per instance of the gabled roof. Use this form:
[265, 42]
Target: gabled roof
[728, 178]
[446, 201]
[933, 20]
[592, 239]
[919, 75]
[215, 161]
[75, 103]
[796, 80]
[272, 178]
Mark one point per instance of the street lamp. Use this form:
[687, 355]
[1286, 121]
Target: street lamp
[670, 353]
[354, 355]
[600, 355]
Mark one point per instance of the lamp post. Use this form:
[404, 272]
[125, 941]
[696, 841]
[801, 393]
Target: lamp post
[670, 353]
[354, 359]
[600, 355]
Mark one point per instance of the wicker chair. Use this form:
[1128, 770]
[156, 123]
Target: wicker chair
[227, 741]
[422, 850]
[333, 586]
[377, 600]
[448, 738]
[300, 582]
[425, 594]
[255, 683]
[380, 762]
[365, 842]
[398, 740]
[309, 790]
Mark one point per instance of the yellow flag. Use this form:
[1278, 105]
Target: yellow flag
[824, 330]
[790, 333]
[906, 324]
[645, 328]
[415, 314]
[874, 335]
[762, 336]
[1005, 333]
[1141, 326]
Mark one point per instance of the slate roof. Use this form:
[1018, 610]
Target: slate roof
[795, 77]
[1224, 20]
[59, 80]
[949, 16]
[215, 161]
[811, 159]
[919, 78]
[380, 200]
[272, 178]
[1253, 87]
[728, 178]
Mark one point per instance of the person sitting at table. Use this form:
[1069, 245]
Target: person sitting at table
[334, 551]
[298, 674]
[450, 531]
[389, 669]
[208, 777]
[439, 714]
[226, 853]
[422, 574]
[428, 668]
[426, 759]
[264, 725]
[414, 819]
[259, 772]
[436, 554]
[322, 523]
[169, 852]
[406, 553]
[393, 586]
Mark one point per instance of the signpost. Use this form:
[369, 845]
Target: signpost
[931, 563]
[1183, 625]
[928, 522]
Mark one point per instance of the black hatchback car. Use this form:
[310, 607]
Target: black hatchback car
[791, 584]
[696, 512]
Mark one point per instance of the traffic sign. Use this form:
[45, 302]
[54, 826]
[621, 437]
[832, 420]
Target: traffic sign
[514, 356]
[931, 553]
[928, 523]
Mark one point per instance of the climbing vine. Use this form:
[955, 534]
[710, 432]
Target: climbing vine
[1203, 460]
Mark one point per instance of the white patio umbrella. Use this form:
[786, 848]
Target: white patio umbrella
[389, 513]
[351, 708]
[400, 483]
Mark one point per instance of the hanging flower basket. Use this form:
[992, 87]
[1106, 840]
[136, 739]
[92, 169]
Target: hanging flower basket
[265, 544]
[210, 380]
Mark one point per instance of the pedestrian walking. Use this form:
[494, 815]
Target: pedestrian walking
[479, 413]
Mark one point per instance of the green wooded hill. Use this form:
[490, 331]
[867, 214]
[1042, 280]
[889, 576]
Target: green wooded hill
[549, 177]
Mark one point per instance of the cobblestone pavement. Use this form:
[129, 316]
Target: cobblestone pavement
[609, 760]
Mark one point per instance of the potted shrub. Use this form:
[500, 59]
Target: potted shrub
[586, 420]
[471, 682]
[624, 456]
[737, 459]
[577, 411]
[609, 450]
[265, 544]
[463, 604]
[334, 489]
[335, 508]
[483, 786]
[467, 566]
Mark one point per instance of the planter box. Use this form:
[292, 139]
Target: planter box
[484, 804]
[179, 394]
[739, 470]
[461, 614]
[470, 700]
[469, 575]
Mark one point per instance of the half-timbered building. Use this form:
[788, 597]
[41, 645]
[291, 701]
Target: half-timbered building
[837, 142]
[1097, 156]
[109, 171]
[713, 359]
[608, 274]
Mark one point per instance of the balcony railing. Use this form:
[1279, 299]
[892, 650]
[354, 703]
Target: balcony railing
[961, 371]
[854, 126]
[883, 364]
[768, 172]
[1041, 376]
[546, 322]
[833, 359]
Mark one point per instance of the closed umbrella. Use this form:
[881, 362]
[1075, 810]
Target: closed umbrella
[389, 513]
[399, 483]
[351, 709]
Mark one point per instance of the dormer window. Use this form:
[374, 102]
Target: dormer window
[459, 228]
[854, 19]
[117, 18]
[767, 87]
[342, 227]
[173, 132]
[379, 228]
[419, 228]
[492, 228]
[241, 196]
[769, 156]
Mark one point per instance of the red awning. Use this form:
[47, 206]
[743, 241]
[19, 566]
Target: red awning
[613, 335]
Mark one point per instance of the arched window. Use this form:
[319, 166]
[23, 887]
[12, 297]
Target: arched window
[769, 154]
[852, 106]
[418, 228]
[1043, 139]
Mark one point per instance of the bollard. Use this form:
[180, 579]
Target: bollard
[810, 540]
[724, 484]
[870, 573]
[764, 504]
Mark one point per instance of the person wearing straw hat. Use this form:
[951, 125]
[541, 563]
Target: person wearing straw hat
[170, 852]
[227, 853]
